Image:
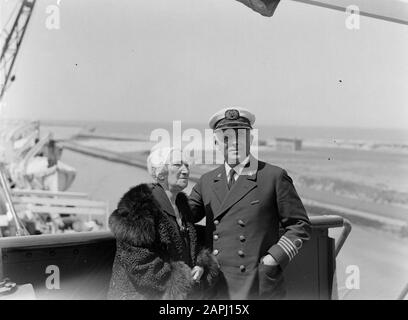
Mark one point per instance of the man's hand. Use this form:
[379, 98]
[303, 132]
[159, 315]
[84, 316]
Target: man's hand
[197, 273]
[269, 260]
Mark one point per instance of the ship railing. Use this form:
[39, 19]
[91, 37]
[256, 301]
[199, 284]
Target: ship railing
[20, 228]
[85, 262]
[57, 204]
[333, 221]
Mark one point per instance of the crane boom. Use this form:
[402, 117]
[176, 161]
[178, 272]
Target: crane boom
[12, 43]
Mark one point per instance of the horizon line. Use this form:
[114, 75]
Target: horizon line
[204, 123]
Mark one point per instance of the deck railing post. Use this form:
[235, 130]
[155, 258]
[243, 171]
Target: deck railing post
[21, 230]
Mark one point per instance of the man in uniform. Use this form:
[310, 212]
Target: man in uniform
[245, 201]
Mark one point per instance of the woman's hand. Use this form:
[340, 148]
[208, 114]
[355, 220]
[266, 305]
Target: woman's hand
[197, 273]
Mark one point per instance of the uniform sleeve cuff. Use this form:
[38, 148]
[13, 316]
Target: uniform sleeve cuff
[279, 255]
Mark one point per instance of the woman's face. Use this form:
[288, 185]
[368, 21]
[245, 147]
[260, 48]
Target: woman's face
[178, 173]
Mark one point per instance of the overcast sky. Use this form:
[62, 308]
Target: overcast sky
[164, 60]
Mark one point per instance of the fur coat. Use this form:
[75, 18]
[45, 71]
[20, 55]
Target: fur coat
[150, 260]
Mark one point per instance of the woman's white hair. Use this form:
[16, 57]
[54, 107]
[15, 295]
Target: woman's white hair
[158, 160]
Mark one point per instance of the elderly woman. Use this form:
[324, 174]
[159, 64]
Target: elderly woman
[157, 255]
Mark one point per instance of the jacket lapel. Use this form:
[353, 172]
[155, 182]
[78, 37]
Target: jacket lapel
[219, 185]
[245, 183]
[161, 196]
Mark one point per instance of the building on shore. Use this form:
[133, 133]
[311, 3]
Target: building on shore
[288, 144]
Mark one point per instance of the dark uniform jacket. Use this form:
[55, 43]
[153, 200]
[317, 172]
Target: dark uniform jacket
[154, 256]
[242, 226]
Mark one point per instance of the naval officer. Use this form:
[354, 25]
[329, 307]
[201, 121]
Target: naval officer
[245, 201]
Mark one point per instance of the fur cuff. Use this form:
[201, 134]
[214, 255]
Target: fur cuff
[210, 264]
[180, 282]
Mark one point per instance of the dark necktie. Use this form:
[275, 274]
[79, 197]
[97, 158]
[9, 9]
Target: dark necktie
[231, 178]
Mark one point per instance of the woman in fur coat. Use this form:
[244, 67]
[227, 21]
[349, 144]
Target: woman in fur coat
[157, 255]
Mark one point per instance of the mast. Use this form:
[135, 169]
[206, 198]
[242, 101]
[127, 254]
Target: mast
[12, 43]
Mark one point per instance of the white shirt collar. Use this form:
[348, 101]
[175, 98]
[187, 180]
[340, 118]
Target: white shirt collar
[238, 168]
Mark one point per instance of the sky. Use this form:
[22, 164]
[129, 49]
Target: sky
[127, 60]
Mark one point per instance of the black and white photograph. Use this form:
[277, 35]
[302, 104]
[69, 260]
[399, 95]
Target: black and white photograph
[203, 151]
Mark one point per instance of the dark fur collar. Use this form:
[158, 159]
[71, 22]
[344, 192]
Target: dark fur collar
[138, 213]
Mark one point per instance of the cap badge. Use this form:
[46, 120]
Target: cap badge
[231, 114]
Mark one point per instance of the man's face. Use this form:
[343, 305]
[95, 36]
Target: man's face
[235, 144]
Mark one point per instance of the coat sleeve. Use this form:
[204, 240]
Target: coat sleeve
[294, 220]
[154, 274]
[196, 203]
